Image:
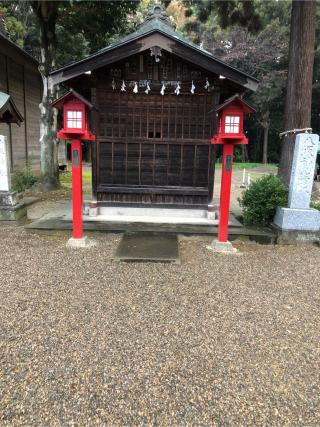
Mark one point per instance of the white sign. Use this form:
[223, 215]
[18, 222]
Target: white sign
[4, 165]
[303, 166]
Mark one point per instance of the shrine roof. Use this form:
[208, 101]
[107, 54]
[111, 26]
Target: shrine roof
[236, 99]
[70, 94]
[13, 45]
[9, 113]
[156, 21]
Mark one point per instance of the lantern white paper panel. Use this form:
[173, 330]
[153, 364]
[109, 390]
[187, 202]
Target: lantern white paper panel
[232, 124]
[74, 119]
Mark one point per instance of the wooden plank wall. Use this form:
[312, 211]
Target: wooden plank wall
[20, 78]
[160, 144]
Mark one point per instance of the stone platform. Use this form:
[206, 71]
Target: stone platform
[290, 219]
[17, 211]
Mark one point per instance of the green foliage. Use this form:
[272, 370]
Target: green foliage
[93, 23]
[260, 200]
[82, 27]
[253, 37]
[238, 13]
[247, 165]
[315, 205]
[22, 179]
[12, 26]
[66, 178]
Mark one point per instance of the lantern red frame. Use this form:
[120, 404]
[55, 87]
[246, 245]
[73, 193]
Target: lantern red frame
[234, 106]
[74, 102]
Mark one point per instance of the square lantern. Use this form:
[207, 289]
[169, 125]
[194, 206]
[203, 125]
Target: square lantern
[75, 116]
[230, 115]
[232, 124]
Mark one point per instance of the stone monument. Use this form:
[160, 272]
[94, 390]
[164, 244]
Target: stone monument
[11, 208]
[298, 216]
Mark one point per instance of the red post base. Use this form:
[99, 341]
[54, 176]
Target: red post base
[76, 189]
[225, 192]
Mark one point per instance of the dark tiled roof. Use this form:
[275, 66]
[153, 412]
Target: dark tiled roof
[5, 39]
[9, 113]
[155, 24]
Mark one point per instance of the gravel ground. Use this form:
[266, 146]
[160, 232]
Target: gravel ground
[220, 340]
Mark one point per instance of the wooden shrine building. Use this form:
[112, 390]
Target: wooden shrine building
[155, 94]
[21, 87]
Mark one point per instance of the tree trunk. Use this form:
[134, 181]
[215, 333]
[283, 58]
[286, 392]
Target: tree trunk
[266, 126]
[46, 12]
[299, 82]
[265, 145]
[244, 154]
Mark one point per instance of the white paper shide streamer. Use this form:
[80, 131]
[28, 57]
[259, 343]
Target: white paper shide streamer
[207, 85]
[177, 89]
[135, 89]
[113, 85]
[148, 89]
[163, 88]
[193, 88]
[123, 86]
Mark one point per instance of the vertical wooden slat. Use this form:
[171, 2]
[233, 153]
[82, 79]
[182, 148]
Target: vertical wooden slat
[126, 165]
[161, 130]
[140, 163]
[94, 155]
[169, 111]
[25, 113]
[119, 115]
[168, 161]
[140, 118]
[113, 98]
[154, 116]
[147, 120]
[153, 163]
[194, 177]
[127, 115]
[112, 161]
[197, 121]
[133, 115]
[175, 121]
[10, 130]
[182, 125]
[190, 110]
[204, 115]
[181, 163]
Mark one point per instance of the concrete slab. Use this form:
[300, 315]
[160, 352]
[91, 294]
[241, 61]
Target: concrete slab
[148, 247]
[47, 225]
[83, 243]
[222, 247]
[113, 215]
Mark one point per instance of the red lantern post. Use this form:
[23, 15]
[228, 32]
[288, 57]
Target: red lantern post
[76, 127]
[230, 133]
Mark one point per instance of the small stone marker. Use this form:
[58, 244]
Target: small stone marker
[299, 215]
[303, 164]
[11, 209]
[5, 183]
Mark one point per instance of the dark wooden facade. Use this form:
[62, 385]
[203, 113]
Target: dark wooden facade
[20, 78]
[153, 148]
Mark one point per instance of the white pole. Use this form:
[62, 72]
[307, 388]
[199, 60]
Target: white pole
[249, 179]
[243, 183]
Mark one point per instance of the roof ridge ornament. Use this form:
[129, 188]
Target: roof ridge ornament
[157, 12]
